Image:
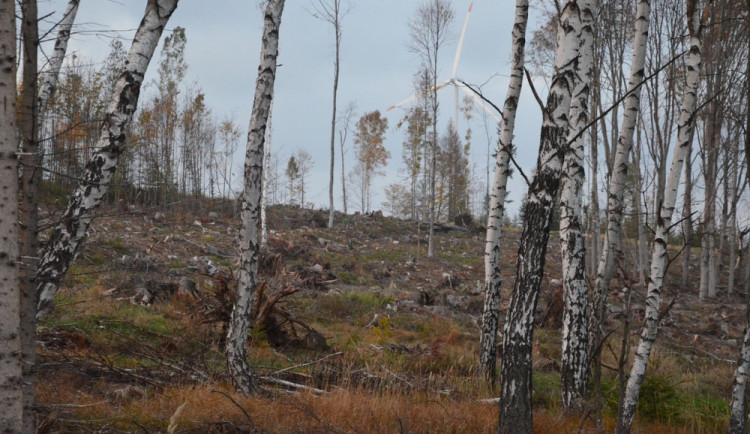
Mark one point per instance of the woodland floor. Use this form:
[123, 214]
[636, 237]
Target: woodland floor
[129, 348]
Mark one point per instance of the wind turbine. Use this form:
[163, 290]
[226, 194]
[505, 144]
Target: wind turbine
[457, 84]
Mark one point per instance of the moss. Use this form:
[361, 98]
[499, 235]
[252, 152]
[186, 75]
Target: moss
[116, 244]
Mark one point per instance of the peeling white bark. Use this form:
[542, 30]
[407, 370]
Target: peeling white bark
[264, 191]
[659, 258]
[575, 348]
[515, 374]
[737, 419]
[491, 311]
[11, 394]
[66, 240]
[611, 247]
[241, 320]
[51, 74]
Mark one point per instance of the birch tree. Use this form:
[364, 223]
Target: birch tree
[659, 257]
[575, 340]
[515, 380]
[66, 240]
[429, 32]
[50, 75]
[346, 121]
[737, 419]
[11, 393]
[241, 319]
[611, 247]
[28, 128]
[492, 275]
[330, 11]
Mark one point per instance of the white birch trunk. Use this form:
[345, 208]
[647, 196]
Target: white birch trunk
[52, 73]
[491, 311]
[241, 320]
[264, 192]
[618, 179]
[65, 241]
[737, 418]
[11, 393]
[337, 30]
[595, 225]
[342, 140]
[732, 233]
[687, 224]
[659, 258]
[575, 340]
[515, 379]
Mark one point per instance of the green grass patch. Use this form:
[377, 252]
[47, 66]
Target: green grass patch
[350, 305]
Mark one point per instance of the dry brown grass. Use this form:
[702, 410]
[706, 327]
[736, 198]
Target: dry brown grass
[358, 410]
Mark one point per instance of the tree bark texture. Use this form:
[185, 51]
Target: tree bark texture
[659, 257]
[28, 126]
[612, 246]
[687, 219]
[64, 243]
[241, 320]
[264, 190]
[737, 419]
[515, 377]
[491, 310]
[575, 340]
[51, 74]
[11, 392]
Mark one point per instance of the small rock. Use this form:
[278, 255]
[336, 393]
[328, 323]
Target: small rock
[187, 288]
[456, 302]
[142, 297]
[315, 341]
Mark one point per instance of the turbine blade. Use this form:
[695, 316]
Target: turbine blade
[479, 101]
[461, 42]
[406, 101]
[416, 95]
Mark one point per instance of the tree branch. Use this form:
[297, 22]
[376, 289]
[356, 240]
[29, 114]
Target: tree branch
[536, 95]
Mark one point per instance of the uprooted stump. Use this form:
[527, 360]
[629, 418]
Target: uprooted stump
[270, 264]
[281, 329]
[272, 322]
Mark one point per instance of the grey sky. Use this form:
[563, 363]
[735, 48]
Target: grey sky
[377, 70]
